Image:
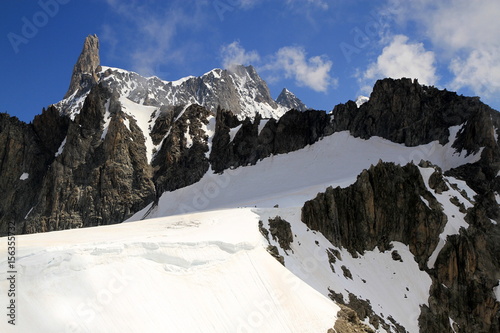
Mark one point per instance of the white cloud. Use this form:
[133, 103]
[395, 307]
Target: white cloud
[453, 24]
[287, 62]
[480, 71]
[246, 4]
[465, 33]
[322, 4]
[313, 72]
[402, 58]
[235, 54]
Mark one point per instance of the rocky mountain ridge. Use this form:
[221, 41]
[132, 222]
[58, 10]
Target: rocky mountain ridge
[181, 143]
[239, 89]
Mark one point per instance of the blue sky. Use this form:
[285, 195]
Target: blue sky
[325, 51]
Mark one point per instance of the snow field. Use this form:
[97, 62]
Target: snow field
[206, 272]
[291, 179]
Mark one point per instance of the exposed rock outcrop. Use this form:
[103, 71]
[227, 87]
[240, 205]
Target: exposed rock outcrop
[481, 132]
[281, 232]
[86, 68]
[467, 271]
[404, 111]
[99, 176]
[26, 151]
[182, 159]
[348, 322]
[384, 205]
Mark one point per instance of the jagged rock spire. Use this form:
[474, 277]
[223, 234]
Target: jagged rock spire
[290, 101]
[88, 64]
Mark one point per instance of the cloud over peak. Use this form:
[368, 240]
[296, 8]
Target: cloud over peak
[402, 58]
[313, 72]
[464, 34]
[234, 54]
[290, 62]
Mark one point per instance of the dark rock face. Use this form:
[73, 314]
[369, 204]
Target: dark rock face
[281, 232]
[182, 159]
[98, 178]
[479, 132]
[468, 267]
[403, 111]
[466, 272]
[26, 151]
[384, 205]
[51, 128]
[293, 131]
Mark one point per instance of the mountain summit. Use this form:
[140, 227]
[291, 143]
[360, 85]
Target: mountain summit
[239, 89]
[86, 68]
[290, 101]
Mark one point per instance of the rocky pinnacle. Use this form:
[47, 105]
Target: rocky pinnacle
[290, 101]
[84, 73]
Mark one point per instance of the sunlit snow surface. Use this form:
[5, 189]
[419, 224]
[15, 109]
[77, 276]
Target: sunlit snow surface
[206, 272]
[290, 179]
[396, 289]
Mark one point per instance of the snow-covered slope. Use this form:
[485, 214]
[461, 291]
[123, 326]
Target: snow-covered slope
[290, 179]
[205, 272]
[279, 186]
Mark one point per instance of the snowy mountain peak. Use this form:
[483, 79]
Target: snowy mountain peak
[240, 89]
[290, 101]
